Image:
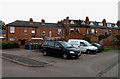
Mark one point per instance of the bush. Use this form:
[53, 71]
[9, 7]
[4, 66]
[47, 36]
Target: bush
[8, 45]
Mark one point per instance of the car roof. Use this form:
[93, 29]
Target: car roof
[77, 40]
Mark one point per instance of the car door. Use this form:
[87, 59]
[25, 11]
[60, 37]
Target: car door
[82, 46]
[57, 48]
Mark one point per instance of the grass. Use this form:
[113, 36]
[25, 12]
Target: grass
[107, 49]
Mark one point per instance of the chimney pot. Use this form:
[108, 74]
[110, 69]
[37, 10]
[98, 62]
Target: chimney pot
[42, 21]
[31, 20]
[87, 20]
[104, 22]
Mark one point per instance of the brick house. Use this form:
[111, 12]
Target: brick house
[90, 29]
[25, 31]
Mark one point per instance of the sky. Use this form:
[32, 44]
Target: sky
[54, 10]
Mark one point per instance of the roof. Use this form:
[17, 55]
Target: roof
[34, 24]
[92, 24]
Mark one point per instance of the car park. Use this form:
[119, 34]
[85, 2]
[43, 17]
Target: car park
[100, 47]
[61, 48]
[83, 45]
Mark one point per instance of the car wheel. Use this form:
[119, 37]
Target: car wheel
[87, 51]
[64, 56]
[44, 53]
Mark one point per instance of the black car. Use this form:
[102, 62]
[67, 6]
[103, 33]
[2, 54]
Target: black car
[61, 48]
[100, 47]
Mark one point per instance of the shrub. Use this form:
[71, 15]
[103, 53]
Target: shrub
[8, 45]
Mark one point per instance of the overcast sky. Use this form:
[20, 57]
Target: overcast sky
[54, 10]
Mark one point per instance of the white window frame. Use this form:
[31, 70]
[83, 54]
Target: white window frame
[109, 25]
[33, 31]
[83, 23]
[92, 31]
[50, 33]
[72, 22]
[92, 24]
[59, 31]
[12, 39]
[25, 30]
[12, 29]
[43, 33]
[71, 29]
[100, 24]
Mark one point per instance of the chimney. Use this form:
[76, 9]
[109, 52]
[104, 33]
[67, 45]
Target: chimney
[67, 20]
[59, 23]
[31, 21]
[87, 20]
[104, 22]
[118, 23]
[43, 22]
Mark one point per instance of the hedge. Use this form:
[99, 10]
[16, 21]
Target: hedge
[8, 45]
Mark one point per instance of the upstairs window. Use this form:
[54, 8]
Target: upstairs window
[43, 33]
[33, 31]
[71, 30]
[25, 30]
[92, 24]
[50, 33]
[59, 31]
[88, 31]
[72, 22]
[109, 25]
[12, 29]
[77, 30]
[100, 24]
[93, 31]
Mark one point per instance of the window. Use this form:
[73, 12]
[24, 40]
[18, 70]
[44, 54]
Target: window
[106, 32]
[12, 29]
[100, 24]
[50, 33]
[115, 26]
[93, 31]
[12, 39]
[83, 23]
[109, 25]
[71, 30]
[25, 30]
[77, 30]
[82, 44]
[88, 31]
[91, 24]
[43, 33]
[59, 31]
[33, 31]
[72, 22]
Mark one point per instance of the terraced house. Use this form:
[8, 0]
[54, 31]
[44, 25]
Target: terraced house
[24, 31]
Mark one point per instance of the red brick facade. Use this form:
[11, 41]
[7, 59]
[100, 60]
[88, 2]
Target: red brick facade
[24, 33]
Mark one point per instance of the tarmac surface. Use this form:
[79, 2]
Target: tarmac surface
[88, 65]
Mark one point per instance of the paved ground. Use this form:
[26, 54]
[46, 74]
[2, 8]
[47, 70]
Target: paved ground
[88, 65]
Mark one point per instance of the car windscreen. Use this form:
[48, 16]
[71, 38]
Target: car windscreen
[66, 44]
[87, 43]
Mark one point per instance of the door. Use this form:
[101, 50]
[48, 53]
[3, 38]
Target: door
[82, 47]
[57, 48]
[22, 42]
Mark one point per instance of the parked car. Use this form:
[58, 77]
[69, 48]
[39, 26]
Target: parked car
[83, 45]
[61, 48]
[100, 47]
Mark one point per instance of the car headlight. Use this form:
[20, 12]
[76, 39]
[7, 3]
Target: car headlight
[72, 52]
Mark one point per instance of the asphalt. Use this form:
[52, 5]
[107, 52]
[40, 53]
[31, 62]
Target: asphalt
[24, 61]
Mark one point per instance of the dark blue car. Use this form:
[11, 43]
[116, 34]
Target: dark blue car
[100, 47]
